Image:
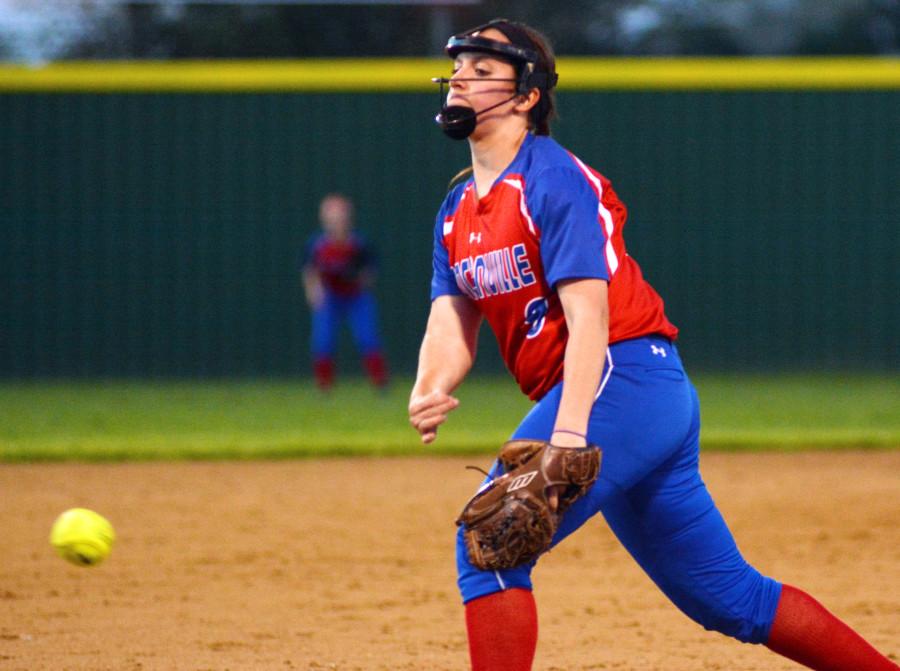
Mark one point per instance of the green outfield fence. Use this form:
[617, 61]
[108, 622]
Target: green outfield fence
[152, 214]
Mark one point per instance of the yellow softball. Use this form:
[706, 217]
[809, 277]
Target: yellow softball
[82, 537]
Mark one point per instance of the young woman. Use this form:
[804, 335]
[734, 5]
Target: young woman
[338, 270]
[532, 242]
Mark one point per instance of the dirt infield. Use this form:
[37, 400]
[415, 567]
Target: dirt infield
[252, 565]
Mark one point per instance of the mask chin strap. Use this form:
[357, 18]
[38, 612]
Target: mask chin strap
[458, 121]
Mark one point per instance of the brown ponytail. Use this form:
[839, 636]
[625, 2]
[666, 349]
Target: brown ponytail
[460, 176]
[544, 112]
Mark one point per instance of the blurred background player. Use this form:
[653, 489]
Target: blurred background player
[338, 273]
[531, 242]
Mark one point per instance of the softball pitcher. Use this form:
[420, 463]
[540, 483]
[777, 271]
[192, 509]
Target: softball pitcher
[531, 241]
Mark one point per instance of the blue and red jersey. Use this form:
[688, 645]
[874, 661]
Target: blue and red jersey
[340, 264]
[548, 217]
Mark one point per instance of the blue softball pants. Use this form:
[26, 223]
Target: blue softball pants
[646, 419]
[358, 310]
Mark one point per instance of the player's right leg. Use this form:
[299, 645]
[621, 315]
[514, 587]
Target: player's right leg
[323, 342]
[671, 526]
[806, 632]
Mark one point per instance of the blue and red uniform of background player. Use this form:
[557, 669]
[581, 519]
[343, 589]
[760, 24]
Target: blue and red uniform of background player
[548, 218]
[343, 267]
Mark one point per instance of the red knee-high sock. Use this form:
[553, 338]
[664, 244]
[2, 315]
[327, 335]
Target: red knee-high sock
[376, 366]
[502, 631]
[323, 369]
[807, 633]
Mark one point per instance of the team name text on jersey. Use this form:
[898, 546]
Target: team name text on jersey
[500, 271]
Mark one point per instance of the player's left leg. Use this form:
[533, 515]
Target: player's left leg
[474, 583]
[502, 630]
[628, 454]
[501, 614]
[363, 315]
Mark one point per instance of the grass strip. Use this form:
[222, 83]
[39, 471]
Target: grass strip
[243, 419]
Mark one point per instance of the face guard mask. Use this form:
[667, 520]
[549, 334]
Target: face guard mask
[458, 121]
